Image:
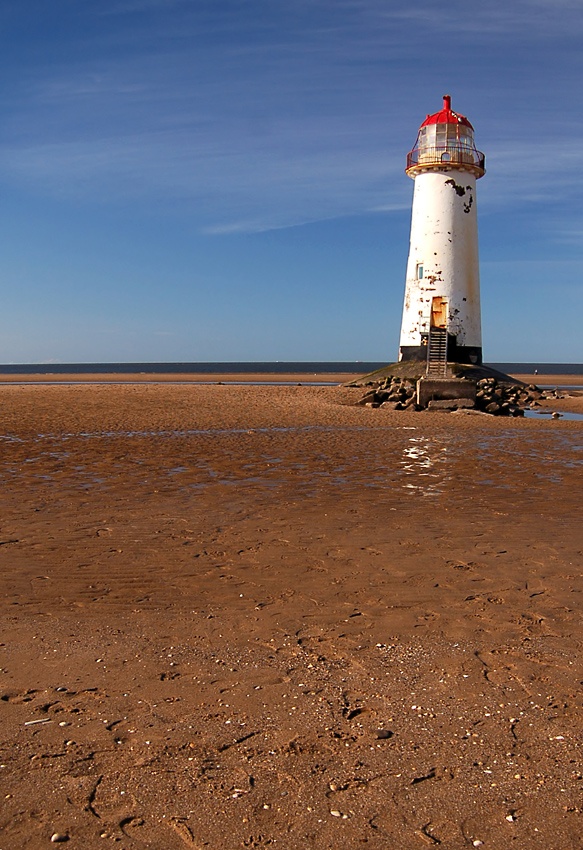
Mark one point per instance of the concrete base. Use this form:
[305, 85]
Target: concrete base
[433, 389]
[448, 404]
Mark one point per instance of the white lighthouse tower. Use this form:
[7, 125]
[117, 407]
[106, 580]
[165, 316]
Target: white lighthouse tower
[441, 314]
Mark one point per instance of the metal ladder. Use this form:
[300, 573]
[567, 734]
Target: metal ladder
[437, 353]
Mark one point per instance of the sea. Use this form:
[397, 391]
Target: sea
[278, 367]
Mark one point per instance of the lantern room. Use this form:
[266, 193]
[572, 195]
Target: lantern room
[445, 140]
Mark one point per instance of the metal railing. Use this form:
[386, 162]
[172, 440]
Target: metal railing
[446, 155]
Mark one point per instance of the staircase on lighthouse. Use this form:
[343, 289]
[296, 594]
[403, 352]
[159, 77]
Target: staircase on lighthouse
[441, 314]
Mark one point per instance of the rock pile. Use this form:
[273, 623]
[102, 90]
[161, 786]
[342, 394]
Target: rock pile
[506, 399]
[493, 397]
[392, 393]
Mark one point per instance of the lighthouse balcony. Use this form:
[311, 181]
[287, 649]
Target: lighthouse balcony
[425, 157]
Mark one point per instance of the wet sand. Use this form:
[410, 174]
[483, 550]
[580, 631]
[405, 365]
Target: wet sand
[260, 616]
[229, 377]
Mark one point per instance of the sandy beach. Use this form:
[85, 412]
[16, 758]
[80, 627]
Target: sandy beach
[261, 616]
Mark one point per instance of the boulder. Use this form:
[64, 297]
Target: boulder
[368, 398]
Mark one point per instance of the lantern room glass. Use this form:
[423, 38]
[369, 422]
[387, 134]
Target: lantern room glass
[445, 142]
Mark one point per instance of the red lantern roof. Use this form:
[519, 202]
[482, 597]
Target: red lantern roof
[447, 116]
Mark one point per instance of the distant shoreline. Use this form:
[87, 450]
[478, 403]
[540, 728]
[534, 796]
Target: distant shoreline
[282, 370]
[179, 378]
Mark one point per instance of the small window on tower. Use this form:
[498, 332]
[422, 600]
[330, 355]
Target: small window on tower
[419, 271]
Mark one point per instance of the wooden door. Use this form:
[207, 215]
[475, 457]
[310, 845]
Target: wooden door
[439, 312]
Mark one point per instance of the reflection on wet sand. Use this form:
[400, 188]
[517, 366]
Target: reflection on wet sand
[425, 459]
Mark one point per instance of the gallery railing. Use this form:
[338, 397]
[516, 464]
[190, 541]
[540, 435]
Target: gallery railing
[447, 155]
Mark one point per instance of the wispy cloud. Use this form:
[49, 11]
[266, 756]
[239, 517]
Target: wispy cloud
[229, 188]
[123, 7]
[523, 18]
[306, 115]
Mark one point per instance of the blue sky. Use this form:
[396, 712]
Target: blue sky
[223, 179]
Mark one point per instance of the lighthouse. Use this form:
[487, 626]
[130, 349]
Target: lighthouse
[441, 314]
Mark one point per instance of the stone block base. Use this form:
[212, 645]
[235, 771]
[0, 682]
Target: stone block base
[450, 404]
[436, 389]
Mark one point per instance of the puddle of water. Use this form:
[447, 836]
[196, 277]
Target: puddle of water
[548, 414]
[560, 387]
